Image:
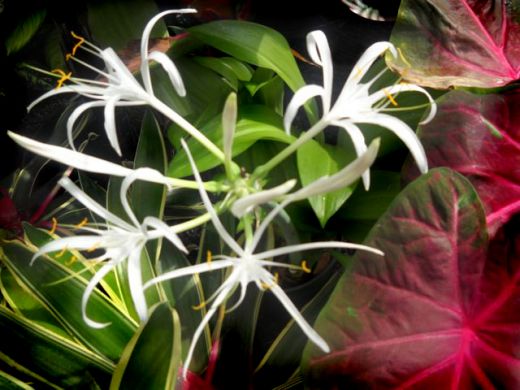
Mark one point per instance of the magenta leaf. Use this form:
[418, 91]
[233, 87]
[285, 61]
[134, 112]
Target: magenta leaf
[479, 136]
[436, 312]
[445, 43]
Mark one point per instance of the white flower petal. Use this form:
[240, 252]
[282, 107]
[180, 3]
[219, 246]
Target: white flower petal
[145, 69]
[190, 270]
[74, 117]
[319, 51]
[299, 98]
[77, 242]
[342, 178]
[120, 72]
[92, 205]
[165, 231]
[314, 245]
[70, 157]
[110, 123]
[209, 207]
[171, 70]
[135, 281]
[98, 276]
[358, 140]
[404, 132]
[246, 204]
[56, 91]
[296, 315]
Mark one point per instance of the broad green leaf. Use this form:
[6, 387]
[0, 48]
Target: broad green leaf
[152, 358]
[61, 292]
[220, 68]
[256, 44]
[116, 23]
[24, 31]
[45, 355]
[315, 161]
[254, 123]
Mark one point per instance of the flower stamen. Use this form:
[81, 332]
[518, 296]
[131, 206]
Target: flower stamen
[209, 256]
[305, 267]
[267, 286]
[77, 45]
[54, 225]
[83, 222]
[62, 252]
[199, 306]
[72, 260]
[390, 97]
[64, 77]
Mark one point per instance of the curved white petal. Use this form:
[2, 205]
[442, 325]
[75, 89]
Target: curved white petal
[110, 123]
[74, 117]
[298, 100]
[230, 241]
[190, 270]
[135, 282]
[69, 157]
[165, 231]
[77, 242]
[244, 205]
[319, 51]
[314, 245]
[362, 66]
[98, 276]
[358, 140]
[145, 69]
[341, 179]
[397, 88]
[298, 318]
[265, 223]
[120, 72]
[52, 92]
[404, 132]
[92, 205]
[171, 70]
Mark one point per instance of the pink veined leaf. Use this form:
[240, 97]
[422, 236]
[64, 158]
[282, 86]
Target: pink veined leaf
[440, 311]
[464, 42]
[479, 136]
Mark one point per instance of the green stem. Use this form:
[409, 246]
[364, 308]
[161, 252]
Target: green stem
[264, 169]
[211, 186]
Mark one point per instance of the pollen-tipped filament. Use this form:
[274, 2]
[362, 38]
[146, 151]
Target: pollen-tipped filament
[64, 77]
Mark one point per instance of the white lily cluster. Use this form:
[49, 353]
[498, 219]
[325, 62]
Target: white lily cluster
[123, 241]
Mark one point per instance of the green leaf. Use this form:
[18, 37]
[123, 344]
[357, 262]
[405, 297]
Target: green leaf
[61, 292]
[258, 45]
[230, 68]
[254, 123]
[24, 31]
[152, 358]
[315, 161]
[116, 23]
[37, 352]
[8, 382]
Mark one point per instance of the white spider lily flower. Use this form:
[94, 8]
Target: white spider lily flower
[118, 87]
[355, 104]
[121, 240]
[93, 164]
[248, 267]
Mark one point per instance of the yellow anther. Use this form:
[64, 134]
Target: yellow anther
[72, 260]
[77, 45]
[403, 57]
[54, 225]
[267, 286]
[305, 268]
[62, 252]
[64, 77]
[199, 306]
[390, 97]
[276, 277]
[68, 56]
[209, 256]
[83, 222]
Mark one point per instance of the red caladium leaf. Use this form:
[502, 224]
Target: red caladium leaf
[464, 42]
[479, 136]
[438, 312]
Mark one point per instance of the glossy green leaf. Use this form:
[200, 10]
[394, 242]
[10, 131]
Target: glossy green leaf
[116, 23]
[44, 354]
[315, 161]
[254, 123]
[152, 358]
[24, 31]
[256, 44]
[61, 291]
